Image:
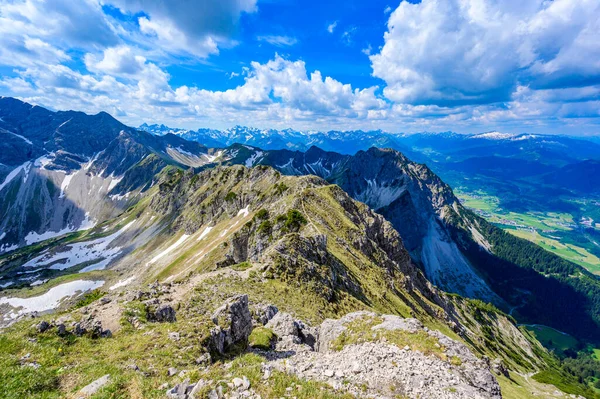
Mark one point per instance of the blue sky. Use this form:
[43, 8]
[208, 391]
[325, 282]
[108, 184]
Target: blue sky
[431, 65]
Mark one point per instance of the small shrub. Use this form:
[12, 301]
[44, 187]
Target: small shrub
[230, 196]
[262, 214]
[280, 188]
[242, 266]
[265, 228]
[294, 220]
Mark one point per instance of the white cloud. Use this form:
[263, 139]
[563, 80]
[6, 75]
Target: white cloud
[74, 23]
[183, 26]
[279, 41]
[452, 64]
[279, 91]
[116, 60]
[170, 38]
[37, 32]
[453, 52]
[331, 27]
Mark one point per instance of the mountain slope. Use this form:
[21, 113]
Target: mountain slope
[296, 231]
[75, 170]
[458, 251]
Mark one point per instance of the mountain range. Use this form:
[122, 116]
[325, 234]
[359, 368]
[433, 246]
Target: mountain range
[281, 217]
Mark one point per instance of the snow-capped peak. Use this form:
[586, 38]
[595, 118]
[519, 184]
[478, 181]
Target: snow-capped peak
[493, 136]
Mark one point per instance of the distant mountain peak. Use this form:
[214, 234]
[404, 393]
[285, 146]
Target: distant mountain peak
[493, 135]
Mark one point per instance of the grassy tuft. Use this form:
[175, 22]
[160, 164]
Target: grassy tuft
[261, 338]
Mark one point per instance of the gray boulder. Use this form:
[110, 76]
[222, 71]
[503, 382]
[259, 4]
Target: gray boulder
[95, 386]
[43, 326]
[233, 324]
[283, 324]
[164, 314]
[264, 313]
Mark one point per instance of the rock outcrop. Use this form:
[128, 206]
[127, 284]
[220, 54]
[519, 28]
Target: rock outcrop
[383, 357]
[233, 324]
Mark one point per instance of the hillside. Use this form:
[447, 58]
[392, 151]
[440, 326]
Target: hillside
[457, 250]
[295, 242]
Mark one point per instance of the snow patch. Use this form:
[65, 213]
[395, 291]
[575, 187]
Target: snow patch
[51, 299]
[65, 183]
[32, 237]
[184, 152]
[44, 160]
[92, 160]
[119, 197]
[204, 233]
[8, 248]
[171, 248]
[122, 283]
[253, 159]
[493, 136]
[64, 123]
[244, 211]
[113, 182]
[25, 139]
[212, 158]
[26, 169]
[378, 195]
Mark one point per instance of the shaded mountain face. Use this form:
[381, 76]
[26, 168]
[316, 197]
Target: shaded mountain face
[582, 177]
[66, 171]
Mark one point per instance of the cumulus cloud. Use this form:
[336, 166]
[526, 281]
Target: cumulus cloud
[454, 52]
[278, 90]
[188, 26]
[74, 23]
[446, 64]
[115, 60]
[39, 32]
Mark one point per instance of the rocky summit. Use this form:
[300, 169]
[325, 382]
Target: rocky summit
[147, 266]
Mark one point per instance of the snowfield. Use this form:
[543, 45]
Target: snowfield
[32, 237]
[255, 158]
[75, 254]
[15, 172]
[50, 300]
